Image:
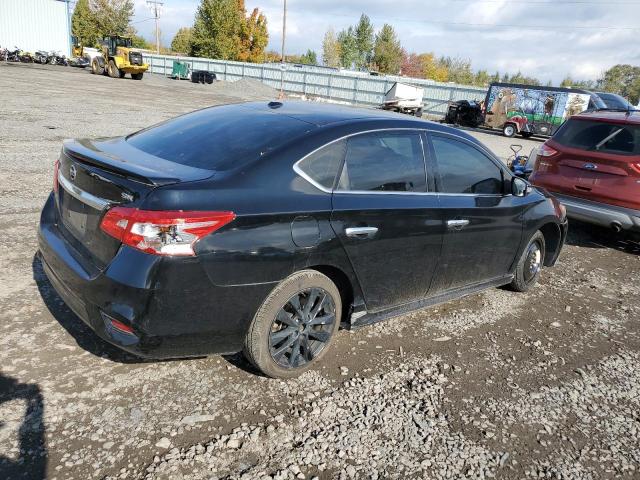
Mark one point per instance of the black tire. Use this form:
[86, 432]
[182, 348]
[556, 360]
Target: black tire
[509, 130]
[308, 334]
[114, 71]
[96, 67]
[122, 74]
[418, 113]
[529, 264]
[137, 76]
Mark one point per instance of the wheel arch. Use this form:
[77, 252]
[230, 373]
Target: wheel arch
[344, 284]
[552, 240]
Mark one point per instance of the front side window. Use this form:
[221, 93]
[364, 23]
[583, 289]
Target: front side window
[464, 169]
[384, 162]
[322, 165]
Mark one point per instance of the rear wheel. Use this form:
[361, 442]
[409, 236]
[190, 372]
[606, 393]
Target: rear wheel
[96, 68]
[137, 76]
[114, 71]
[509, 130]
[529, 264]
[294, 326]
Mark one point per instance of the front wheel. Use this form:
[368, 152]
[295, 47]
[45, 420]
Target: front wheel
[113, 70]
[294, 326]
[529, 264]
[509, 130]
[96, 68]
[137, 76]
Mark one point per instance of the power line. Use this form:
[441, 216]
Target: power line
[500, 25]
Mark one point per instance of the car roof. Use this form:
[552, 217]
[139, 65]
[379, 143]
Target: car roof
[321, 114]
[615, 116]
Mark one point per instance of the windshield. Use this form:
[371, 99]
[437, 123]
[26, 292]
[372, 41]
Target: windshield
[219, 138]
[600, 136]
[614, 101]
[123, 42]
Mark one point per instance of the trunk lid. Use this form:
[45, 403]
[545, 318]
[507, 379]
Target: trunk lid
[93, 176]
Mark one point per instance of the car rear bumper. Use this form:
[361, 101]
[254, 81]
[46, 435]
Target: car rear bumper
[602, 214]
[171, 305]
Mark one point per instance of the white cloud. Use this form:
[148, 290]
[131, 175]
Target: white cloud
[456, 28]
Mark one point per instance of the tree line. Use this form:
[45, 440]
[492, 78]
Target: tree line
[223, 29]
[621, 79]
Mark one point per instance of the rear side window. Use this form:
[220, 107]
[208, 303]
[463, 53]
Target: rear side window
[218, 138]
[600, 137]
[384, 161]
[322, 165]
[464, 169]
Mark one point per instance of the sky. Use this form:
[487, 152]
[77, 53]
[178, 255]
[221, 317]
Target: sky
[546, 39]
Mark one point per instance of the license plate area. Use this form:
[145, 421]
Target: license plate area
[78, 217]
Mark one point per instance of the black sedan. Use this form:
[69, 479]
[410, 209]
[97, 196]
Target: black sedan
[262, 227]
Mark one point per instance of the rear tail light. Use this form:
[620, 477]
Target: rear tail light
[546, 151]
[56, 168]
[635, 167]
[172, 233]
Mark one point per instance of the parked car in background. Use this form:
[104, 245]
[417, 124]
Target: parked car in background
[262, 227]
[531, 110]
[614, 101]
[403, 98]
[592, 164]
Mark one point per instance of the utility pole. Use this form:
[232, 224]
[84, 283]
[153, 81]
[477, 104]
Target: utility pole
[284, 34]
[155, 4]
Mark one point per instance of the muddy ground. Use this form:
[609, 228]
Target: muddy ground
[504, 385]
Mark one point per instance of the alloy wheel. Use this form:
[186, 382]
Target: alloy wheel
[533, 262]
[302, 328]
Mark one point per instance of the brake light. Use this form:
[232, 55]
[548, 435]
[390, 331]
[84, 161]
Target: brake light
[172, 233]
[56, 168]
[546, 151]
[635, 167]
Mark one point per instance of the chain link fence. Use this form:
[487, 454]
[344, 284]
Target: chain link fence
[352, 87]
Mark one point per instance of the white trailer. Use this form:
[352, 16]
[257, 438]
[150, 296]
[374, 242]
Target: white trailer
[404, 98]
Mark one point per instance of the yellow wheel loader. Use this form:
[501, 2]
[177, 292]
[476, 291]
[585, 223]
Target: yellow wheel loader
[117, 58]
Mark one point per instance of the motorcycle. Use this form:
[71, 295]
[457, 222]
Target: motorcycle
[26, 57]
[56, 58]
[41, 57]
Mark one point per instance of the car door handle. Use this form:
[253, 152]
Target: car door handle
[361, 232]
[457, 224]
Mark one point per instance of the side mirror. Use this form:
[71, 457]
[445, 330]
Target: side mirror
[519, 187]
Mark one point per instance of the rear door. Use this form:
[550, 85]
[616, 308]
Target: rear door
[388, 224]
[483, 225]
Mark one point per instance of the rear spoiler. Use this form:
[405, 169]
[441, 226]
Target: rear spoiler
[116, 155]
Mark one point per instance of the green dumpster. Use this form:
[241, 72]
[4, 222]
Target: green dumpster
[180, 70]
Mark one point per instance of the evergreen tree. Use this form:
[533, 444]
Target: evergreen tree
[216, 31]
[222, 30]
[364, 42]
[387, 51]
[348, 47]
[83, 24]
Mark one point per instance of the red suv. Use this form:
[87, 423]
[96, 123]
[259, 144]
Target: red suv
[592, 164]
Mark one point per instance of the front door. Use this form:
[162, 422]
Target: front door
[388, 224]
[483, 223]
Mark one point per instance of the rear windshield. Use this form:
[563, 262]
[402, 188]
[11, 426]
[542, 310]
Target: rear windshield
[600, 136]
[218, 138]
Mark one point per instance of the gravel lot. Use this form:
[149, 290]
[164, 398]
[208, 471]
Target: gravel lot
[496, 385]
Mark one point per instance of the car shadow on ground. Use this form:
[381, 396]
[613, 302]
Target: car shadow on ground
[82, 334]
[31, 459]
[591, 236]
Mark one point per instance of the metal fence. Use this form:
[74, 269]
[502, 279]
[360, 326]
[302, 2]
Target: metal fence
[353, 87]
